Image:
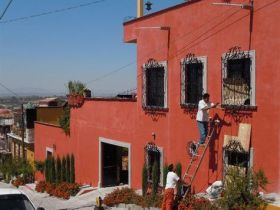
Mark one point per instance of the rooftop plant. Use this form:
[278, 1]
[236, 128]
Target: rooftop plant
[76, 87]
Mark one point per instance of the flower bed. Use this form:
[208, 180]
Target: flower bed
[63, 190]
[18, 181]
[129, 196]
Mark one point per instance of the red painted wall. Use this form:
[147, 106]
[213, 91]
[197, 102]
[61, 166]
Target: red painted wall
[205, 30]
[109, 119]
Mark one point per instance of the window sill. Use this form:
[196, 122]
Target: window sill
[229, 107]
[189, 106]
[155, 109]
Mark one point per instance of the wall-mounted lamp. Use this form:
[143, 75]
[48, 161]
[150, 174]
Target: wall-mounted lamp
[154, 135]
[148, 5]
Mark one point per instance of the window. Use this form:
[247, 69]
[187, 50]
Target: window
[193, 79]
[238, 84]
[154, 84]
[237, 158]
[153, 155]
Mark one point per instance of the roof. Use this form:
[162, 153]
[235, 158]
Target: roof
[6, 113]
[19, 138]
[9, 191]
[48, 100]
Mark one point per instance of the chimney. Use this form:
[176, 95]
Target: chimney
[139, 8]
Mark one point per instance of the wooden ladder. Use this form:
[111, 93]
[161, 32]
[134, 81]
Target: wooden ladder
[189, 177]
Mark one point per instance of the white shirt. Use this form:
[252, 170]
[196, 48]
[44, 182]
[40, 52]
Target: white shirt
[171, 180]
[202, 115]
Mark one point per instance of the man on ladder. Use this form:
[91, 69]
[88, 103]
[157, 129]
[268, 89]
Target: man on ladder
[202, 118]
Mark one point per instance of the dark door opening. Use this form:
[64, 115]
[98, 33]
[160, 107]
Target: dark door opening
[114, 165]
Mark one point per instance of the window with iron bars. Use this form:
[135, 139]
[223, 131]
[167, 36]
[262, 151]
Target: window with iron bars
[193, 79]
[238, 84]
[153, 155]
[154, 85]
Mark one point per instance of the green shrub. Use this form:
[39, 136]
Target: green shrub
[58, 170]
[72, 174]
[165, 172]
[178, 170]
[241, 189]
[155, 178]
[40, 165]
[52, 170]
[68, 170]
[15, 167]
[63, 169]
[47, 170]
[128, 196]
[144, 180]
[64, 120]
[76, 87]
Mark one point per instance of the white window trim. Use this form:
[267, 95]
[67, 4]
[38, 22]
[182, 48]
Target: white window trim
[115, 143]
[144, 96]
[252, 56]
[49, 149]
[203, 60]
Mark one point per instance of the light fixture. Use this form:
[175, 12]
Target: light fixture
[148, 5]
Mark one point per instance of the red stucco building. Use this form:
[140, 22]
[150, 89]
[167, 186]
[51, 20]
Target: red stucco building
[232, 52]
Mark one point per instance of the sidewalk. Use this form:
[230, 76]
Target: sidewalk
[84, 201]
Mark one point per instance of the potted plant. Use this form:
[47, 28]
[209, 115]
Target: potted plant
[75, 93]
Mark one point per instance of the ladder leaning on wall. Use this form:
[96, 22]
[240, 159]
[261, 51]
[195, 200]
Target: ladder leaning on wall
[193, 166]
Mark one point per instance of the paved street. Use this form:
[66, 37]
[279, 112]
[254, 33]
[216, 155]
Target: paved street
[82, 202]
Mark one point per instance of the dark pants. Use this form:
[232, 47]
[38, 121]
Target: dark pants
[203, 131]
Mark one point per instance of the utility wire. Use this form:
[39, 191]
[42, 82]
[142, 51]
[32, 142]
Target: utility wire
[9, 90]
[190, 44]
[5, 10]
[52, 12]
[112, 72]
[158, 49]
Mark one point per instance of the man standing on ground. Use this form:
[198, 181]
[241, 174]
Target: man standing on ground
[202, 117]
[171, 183]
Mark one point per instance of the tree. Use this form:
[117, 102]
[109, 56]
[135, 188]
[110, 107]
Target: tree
[63, 169]
[58, 170]
[144, 179]
[68, 168]
[72, 174]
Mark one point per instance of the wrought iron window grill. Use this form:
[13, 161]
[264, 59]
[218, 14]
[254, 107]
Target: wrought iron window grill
[154, 76]
[191, 59]
[234, 154]
[153, 64]
[191, 81]
[236, 82]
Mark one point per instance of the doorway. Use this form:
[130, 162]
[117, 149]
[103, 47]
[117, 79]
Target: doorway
[115, 164]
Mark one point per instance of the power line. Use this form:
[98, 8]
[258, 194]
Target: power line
[5, 10]
[159, 48]
[52, 12]
[193, 42]
[9, 90]
[183, 36]
[110, 73]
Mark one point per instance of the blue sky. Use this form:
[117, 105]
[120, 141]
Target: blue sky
[42, 54]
